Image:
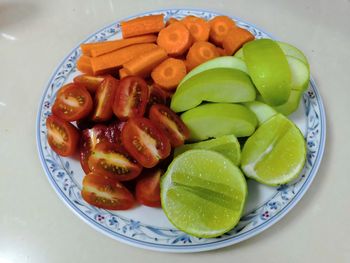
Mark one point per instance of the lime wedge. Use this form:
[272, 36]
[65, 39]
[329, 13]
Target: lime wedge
[275, 154]
[226, 145]
[203, 193]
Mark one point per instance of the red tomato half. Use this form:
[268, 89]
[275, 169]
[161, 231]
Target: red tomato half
[91, 83]
[156, 95]
[171, 124]
[110, 160]
[104, 99]
[145, 142]
[62, 136]
[73, 102]
[130, 98]
[148, 188]
[107, 193]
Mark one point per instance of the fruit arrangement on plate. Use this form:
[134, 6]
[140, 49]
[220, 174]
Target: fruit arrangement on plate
[177, 114]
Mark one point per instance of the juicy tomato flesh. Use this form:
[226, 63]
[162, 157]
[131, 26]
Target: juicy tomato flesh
[148, 188]
[112, 161]
[130, 98]
[62, 136]
[145, 142]
[104, 99]
[106, 193]
[73, 102]
[156, 95]
[171, 124]
[91, 83]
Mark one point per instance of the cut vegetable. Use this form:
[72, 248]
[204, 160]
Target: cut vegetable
[91, 83]
[199, 53]
[219, 28]
[198, 27]
[84, 65]
[142, 25]
[235, 39]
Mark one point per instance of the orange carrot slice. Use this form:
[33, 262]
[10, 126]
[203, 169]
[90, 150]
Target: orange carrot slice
[221, 51]
[200, 52]
[110, 61]
[142, 25]
[143, 64]
[235, 39]
[219, 28]
[169, 73]
[175, 39]
[84, 64]
[171, 20]
[198, 27]
[100, 48]
[91, 83]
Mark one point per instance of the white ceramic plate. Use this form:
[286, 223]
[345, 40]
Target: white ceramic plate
[148, 227]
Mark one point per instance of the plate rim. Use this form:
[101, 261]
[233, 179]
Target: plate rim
[194, 247]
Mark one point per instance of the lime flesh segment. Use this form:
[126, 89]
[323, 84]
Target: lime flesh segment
[268, 67]
[214, 85]
[203, 193]
[262, 111]
[220, 62]
[226, 145]
[216, 119]
[275, 154]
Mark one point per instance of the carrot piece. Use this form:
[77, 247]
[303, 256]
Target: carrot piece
[171, 20]
[169, 73]
[235, 39]
[100, 48]
[123, 73]
[110, 61]
[84, 64]
[219, 28]
[175, 39]
[200, 52]
[221, 51]
[198, 27]
[91, 83]
[142, 25]
[143, 64]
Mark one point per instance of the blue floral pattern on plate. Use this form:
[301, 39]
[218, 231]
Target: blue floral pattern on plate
[134, 232]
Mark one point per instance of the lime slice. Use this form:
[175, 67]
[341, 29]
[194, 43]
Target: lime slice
[275, 154]
[203, 193]
[226, 145]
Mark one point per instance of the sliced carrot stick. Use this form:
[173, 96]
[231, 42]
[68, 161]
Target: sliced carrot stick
[198, 27]
[84, 64]
[123, 73]
[171, 20]
[100, 48]
[221, 51]
[110, 61]
[175, 39]
[200, 52]
[91, 83]
[219, 28]
[169, 73]
[142, 25]
[235, 39]
[143, 64]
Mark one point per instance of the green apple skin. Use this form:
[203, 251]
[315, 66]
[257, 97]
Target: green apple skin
[262, 111]
[214, 85]
[220, 62]
[269, 70]
[291, 105]
[300, 74]
[212, 120]
[239, 54]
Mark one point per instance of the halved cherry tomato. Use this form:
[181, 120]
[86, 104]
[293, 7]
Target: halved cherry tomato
[114, 132]
[156, 95]
[62, 136]
[73, 102]
[130, 98]
[91, 83]
[148, 188]
[104, 99]
[145, 142]
[106, 193]
[113, 161]
[167, 120]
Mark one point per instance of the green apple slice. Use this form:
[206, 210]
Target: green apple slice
[262, 111]
[239, 54]
[217, 119]
[220, 62]
[226, 145]
[269, 70]
[214, 85]
[300, 74]
[292, 103]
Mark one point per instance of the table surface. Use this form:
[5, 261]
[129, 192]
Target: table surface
[36, 226]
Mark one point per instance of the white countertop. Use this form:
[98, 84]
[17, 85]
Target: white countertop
[36, 226]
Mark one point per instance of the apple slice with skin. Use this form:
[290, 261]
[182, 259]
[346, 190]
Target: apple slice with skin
[269, 70]
[214, 85]
[262, 111]
[217, 119]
